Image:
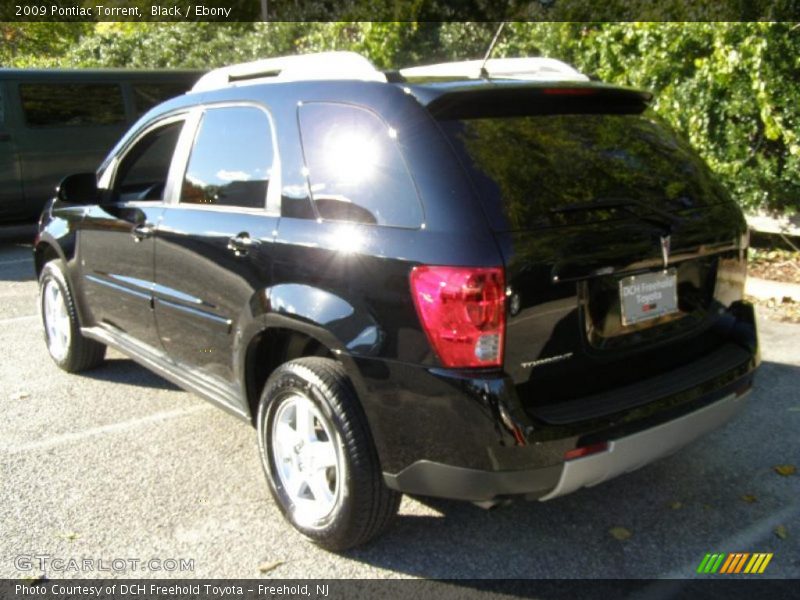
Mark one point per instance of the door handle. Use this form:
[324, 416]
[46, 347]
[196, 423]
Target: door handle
[142, 231]
[241, 243]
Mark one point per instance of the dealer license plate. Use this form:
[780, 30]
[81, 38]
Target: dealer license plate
[648, 296]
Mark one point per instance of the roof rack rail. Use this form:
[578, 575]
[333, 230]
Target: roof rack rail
[526, 68]
[321, 65]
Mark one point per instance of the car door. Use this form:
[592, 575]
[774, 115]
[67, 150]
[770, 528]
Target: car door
[117, 236]
[213, 246]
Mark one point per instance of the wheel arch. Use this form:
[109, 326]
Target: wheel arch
[280, 340]
[45, 251]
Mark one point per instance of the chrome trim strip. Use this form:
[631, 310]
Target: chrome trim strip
[120, 288]
[227, 323]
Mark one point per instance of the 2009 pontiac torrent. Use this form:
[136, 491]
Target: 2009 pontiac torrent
[449, 281]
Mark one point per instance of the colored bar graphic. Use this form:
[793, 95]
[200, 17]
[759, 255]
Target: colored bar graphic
[731, 560]
[702, 567]
[717, 563]
[765, 563]
[740, 564]
[734, 562]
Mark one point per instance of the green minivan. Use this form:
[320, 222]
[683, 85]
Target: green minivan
[54, 122]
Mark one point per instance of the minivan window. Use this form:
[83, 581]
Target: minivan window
[142, 173]
[147, 95]
[72, 104]
[534, 167]
[355, 168]
[231, 161]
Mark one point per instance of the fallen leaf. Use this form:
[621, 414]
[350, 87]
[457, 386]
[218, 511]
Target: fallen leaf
[676, 505]
[781, 532]
[785, 470]
[266, 567]
[749, 498]
[620, 533]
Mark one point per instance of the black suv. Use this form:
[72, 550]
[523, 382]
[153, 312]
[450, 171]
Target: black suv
[458, 281]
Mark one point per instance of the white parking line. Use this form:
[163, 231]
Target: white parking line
[14, 262]
[15, 319]
[105, 429]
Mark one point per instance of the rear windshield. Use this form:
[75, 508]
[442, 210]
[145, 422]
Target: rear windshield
[533, 171]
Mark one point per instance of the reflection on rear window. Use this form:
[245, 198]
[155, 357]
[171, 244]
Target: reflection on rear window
[72, 104]
[356, 170]
[534, 166]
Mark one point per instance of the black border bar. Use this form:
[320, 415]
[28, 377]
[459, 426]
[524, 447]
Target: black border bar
[718, 587]
[399, 10]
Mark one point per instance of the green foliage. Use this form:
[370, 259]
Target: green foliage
[731, 88]
[37, 44]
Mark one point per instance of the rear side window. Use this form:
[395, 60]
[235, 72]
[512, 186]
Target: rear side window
[355, 168]
[535, 167]
[147, 95]
[72, 104]
[232, 158]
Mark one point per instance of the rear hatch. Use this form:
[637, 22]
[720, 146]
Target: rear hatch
[612, 230]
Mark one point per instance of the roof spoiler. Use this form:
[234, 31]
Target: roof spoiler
[528, 99]
[525, 69]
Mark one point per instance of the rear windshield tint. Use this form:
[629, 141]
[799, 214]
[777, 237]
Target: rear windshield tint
[533, 171]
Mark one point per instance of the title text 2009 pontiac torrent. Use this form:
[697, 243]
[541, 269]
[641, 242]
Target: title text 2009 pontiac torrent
[448, 281]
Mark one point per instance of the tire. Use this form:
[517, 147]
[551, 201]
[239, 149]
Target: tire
[332, 491]
[67, 347]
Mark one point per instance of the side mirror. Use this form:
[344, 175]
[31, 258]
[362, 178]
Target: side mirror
[80, 188]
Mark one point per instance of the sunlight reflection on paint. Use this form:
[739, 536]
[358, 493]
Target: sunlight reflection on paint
[346, 239]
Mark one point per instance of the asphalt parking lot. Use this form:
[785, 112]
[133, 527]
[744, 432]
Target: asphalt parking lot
[118, 463]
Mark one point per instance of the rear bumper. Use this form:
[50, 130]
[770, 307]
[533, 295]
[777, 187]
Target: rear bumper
[624, 454]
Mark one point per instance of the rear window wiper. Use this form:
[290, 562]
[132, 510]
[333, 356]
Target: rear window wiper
[657, 217]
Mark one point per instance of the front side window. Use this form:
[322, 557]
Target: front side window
[355, 168]
[232, 159]
[142, 172]
[72, 104]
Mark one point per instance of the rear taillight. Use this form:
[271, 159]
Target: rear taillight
[462, 310]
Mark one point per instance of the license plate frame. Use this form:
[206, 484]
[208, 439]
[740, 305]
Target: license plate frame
[648, 296]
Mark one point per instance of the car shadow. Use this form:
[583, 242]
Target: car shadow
[128, 372]
[656, 522]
